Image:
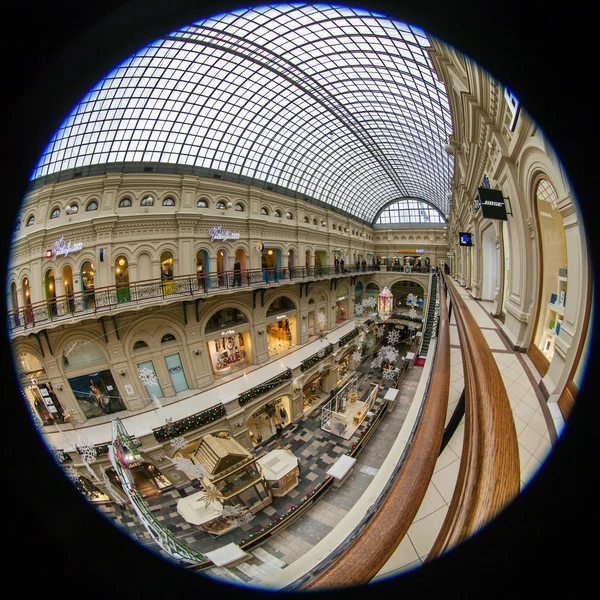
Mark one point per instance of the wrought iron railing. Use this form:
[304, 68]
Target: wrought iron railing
[103, 300]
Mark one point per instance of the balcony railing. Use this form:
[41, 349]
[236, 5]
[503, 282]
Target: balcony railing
[103, 300]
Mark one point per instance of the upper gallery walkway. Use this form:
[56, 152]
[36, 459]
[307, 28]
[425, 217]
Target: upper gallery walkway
[114, 299]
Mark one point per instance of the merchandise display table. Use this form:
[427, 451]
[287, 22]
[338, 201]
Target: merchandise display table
[340, 470]
[227, 555]
[391, 396]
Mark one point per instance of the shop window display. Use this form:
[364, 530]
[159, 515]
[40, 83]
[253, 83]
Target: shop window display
[269, 420]
[149, 379]
[97, 394]
[228, 353]
[280, 335]
[166, 272]
[176, 372]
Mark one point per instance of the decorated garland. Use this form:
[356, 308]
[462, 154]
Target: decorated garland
[307, 363]
[402, 317]
[349, 336]
[261, 389]
[189, 423]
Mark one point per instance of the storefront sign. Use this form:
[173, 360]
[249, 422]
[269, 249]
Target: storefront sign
[279, 317]
[129, 389]
[60, 248]
[227, 332]
[412, 251]
[217, 233]
[259, 246]
[492, 203]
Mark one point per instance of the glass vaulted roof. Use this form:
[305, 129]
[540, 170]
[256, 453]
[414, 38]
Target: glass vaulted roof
[339, 104]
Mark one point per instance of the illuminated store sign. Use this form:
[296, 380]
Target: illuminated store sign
[60, 248]
[413, 251]
[279, 317]
[217, 233]
[227, 332]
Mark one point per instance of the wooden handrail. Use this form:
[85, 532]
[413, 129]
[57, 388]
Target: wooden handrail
[377, 542]
[488, 477]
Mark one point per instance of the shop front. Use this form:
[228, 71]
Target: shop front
[342, 369]
[341, 303]
[271, 264]
[228, 341]
[97, 393]
[269, 419]
[44, 402]
[314, 390]
[281, 325]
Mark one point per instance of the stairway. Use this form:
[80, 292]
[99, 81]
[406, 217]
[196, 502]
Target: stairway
[430, 313]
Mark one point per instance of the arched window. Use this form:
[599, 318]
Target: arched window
[168, 337]
[277, 213]
[55, 213]
[93, 205]
[289, 215]
[125, 203]
[81, 353]
[72, 208]
[224, 318]
[220, 206]
[139, 345]
[202, 204]
[264, 211]
[147, 201]
[30, 221]
[323, 224]
[122, 279]
[315, 222]
[306, 220]
[166, 266]
[239, 207]
[168, 202]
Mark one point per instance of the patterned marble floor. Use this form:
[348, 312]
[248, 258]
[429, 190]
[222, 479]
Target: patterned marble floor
[317, 450]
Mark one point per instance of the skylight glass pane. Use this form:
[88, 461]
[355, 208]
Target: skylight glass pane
[338, 103]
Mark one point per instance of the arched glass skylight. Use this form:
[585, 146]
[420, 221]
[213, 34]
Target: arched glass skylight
[339, 104]
[409, 211]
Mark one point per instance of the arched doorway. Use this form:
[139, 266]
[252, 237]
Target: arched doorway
[67, 281]
[122, 279]
[307, 256]
[87, 285]
[320, 262]
[358, 292]
[166, 272]
[271, 264]
[371, 291]
[14, 304]
[50, 289]
[341, 303]
[489, 264]
[222, 266]
[229, 341]
[552, 250]
[27, 300]
[407, 295]
[291, 262]
[202, 269]
[281, 325]
[262, 424]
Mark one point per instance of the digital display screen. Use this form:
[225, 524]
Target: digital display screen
[465, 239]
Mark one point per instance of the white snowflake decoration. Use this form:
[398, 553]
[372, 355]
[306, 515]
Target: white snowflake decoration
[59, 455]
[321, 318]
[391, 355]
[148, 377]
[321, 352]
[389, 373]
[412, 326]
[242, 519]
[321, 368]
[233, 511]
[393, 337]
[71, 473]
[370, 302]
[412, 313]
[178, 443]
[359, 309]
[380, 331]
[356, 356]
[87, 452]
[376, 363]
[192, 470]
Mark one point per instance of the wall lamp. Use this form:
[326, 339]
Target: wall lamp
[197, 351]
[122, 373]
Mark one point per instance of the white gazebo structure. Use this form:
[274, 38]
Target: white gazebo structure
[280, 470]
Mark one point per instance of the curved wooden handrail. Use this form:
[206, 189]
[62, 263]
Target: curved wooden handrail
[488, 477]
[376, 543]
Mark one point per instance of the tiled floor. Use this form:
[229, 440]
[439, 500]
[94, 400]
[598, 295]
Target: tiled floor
[533, 437]
[317, 449]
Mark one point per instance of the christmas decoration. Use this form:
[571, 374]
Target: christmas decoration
[391, 354]
[412, 313]
[349, 336]
[173, 429]
[233, 511]
[148, 377]
[211, 495]
[242, 519]
[356, 356]
[359, 309]
[192, 470]
[178, 443]
[322, 318]
[376, 363]
[261, 389]
[390, 373]
[393, 337]
[87, 451]
[321, 368]
[59, 455]
[71, 473]
[315, 358]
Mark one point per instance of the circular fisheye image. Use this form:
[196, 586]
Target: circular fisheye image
[299, 297]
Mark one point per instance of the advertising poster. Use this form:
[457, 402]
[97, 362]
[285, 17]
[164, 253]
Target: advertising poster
[97, 394]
